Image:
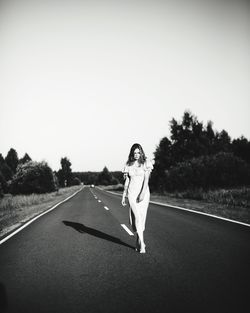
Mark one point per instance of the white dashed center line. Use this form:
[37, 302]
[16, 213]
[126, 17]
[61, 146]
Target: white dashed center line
[127, 230]
[122, 225]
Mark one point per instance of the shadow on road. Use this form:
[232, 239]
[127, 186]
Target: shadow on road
[3, 298]
[96, 233]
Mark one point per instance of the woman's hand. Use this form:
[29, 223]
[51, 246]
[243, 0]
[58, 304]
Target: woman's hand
[124, 201]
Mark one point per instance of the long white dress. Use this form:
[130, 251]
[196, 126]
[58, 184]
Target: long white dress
[137, 210]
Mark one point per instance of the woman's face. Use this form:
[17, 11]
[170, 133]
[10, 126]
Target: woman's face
[137, 154]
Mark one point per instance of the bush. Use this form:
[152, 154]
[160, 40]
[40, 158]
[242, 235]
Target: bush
[114, 181]
[75, 181]
[33, 177]
[222, 170]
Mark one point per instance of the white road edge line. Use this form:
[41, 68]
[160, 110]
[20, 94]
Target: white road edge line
[106, 208]
[35, 218]
[202, 213]
[189, 210]
[127, 230]
[99, 201]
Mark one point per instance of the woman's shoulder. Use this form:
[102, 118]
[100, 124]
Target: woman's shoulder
[125, 168]
[148, 165]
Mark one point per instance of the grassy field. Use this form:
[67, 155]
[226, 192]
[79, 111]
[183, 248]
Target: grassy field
[228, 203]
[16, 210]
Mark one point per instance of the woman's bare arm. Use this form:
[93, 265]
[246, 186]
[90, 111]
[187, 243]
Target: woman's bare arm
[125, 191]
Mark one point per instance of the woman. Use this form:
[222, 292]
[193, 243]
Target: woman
[136, 174]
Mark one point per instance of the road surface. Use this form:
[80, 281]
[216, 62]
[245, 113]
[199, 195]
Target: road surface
[78, 258]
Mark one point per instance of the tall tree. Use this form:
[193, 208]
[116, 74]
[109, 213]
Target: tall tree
[12, 159]
[1, 159]
[163, 160]
[191, 139]
[210, 137]
[5, 169]
[24, 159]
[222, 142]
[65, 175]
[209, 131]
[186, 137]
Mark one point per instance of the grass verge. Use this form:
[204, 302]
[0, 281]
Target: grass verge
[16, 210]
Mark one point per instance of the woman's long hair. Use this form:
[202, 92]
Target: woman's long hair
[131, 159]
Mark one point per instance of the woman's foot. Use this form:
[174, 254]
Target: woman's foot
[143, 248]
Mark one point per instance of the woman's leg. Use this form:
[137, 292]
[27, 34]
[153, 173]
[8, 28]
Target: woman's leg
[138, 243]
[143, 208]
[138, 221]
[132, 219]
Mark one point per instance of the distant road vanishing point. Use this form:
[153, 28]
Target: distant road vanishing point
[80, 257]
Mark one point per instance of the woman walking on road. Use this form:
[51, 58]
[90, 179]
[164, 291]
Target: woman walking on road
[136, 173]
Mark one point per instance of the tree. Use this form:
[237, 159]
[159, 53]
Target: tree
[210, 137]
[2, 161]
[3, 184]
[210, 132]
[65, 175]
[163, 160]
[105, 178]
[241, 148]
[12, 160]
[222, 142]
[220, 170]
[4, 168]
[190, 139]
[24, 159]
[33, 177]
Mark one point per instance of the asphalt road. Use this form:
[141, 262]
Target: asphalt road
[78, 258]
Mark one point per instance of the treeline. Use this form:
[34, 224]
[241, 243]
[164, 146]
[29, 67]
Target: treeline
[25, 176]
[104, 178]
[194, 156]
[197, 156]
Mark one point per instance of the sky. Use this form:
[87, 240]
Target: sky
[87, 79]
